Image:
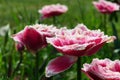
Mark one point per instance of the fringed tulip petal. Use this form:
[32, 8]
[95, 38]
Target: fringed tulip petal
[18, 37]
[59, 65]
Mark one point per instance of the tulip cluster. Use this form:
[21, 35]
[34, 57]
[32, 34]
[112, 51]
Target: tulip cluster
[72, 43]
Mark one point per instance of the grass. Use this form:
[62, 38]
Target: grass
[19, 13]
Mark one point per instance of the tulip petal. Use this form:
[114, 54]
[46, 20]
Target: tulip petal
[18, 37]
[94, 49]
[92, 76]
[59, 65]
[33, 39]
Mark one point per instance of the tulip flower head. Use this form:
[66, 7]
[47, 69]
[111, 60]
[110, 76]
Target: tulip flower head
[76, 42]
[79, 41]
[106, 7]
[53, 10]
[34, 37]
[102, 69]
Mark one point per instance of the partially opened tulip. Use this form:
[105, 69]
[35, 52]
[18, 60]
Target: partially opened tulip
[76, 42]
[106, 7]
[102, 69]
[34, 37]
[52, 10]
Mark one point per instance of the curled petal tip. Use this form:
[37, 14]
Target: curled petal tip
[111, 39]
[49, 74]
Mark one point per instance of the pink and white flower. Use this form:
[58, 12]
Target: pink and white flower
[76, 42]
[53, 10]
[79, 41]
[34, 37]
[102, 69]
[104, 6]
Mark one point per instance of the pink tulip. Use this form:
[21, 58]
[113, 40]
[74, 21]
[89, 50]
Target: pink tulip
[106, 7]
[34, 37]
[76, 42]
[52, 10]
[79, 41]
[102, 69]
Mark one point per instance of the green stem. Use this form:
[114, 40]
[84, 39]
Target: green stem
[79, 77]
[37, 66]
[54, 20]
[42, 67]
[40, 20]
[105, 23]
[10, 66]
[115, 33]
[4, 59]
[18, 65]
[81, 9]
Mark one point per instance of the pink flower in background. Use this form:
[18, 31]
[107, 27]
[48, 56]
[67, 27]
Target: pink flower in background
[76, 42]
[102, 69]
[104, 6]
[53, 10]
[34, 37]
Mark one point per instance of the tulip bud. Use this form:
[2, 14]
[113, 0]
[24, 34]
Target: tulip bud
[19, 47]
